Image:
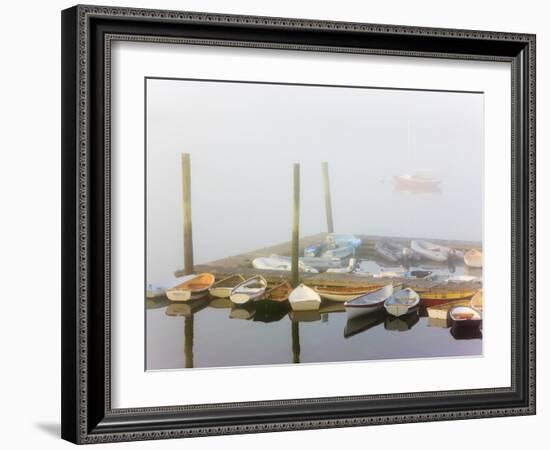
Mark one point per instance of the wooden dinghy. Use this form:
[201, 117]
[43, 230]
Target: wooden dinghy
[368, 303]
[442, 311]
[433, 252]
[158, 289]
[276, 262]
[279, 293]
[473, 258]
[394, 251]
[248, 290]
[477, 301]
[194, 288]
[440, 295]
[465, 316]
[223, 288]
[402, 302]
[344, 293]
[303, 298]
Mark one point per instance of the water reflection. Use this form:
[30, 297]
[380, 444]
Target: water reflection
[466, 333]
[211, 332]
[402, 323]
[363, 323]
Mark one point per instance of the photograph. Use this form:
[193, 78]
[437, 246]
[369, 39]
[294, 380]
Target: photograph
[291, 223]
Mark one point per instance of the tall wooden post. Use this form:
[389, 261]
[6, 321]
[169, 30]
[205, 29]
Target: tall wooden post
[328, 201]
[187, 222]
[295, 244]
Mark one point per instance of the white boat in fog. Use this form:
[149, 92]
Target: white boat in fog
[316, 262]
[276, 262]
[352, 265]
[433, 252]
[473, 258]
[401, 302]
[303, 298]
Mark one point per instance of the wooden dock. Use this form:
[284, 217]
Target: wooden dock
[242, 263]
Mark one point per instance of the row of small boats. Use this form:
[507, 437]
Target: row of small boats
[358, 300]
[394, 252]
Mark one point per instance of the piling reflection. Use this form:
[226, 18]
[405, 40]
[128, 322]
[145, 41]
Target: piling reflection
[263, 324]
[402, 323]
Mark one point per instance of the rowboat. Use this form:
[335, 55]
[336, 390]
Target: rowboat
[367, 303]
[276, 262]
[394, 251]
[477, 301]
[463, 279]
[340, 251]
[248, 290]
[158, 289]
[344, 293]
[465, 316]
[316, 262]
[351, 267]
[402, 323]
[223, 288]
[279, 293]
[194, 288]
[438, 296]
[442, 311]
[303, 298]
[401, 302]
[362, 323]
[433, 252]
[473, 258]
[343, 239]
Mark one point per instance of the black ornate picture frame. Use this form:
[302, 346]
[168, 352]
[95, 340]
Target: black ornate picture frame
[87, 33]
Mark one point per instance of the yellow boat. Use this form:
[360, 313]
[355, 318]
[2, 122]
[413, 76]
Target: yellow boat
[194, 288]
[434, 297]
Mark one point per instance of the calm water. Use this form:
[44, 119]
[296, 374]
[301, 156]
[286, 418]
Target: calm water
[213, 333]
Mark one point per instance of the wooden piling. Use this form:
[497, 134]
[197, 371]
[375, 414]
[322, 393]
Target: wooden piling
[328, 200]
[188, 265]
[295, 244]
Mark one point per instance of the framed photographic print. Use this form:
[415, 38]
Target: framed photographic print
[279, 224]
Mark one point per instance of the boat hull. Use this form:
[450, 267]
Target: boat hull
[241, 298]
[184, 295]
[356, 311]
[306, 305]
[221, 292]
